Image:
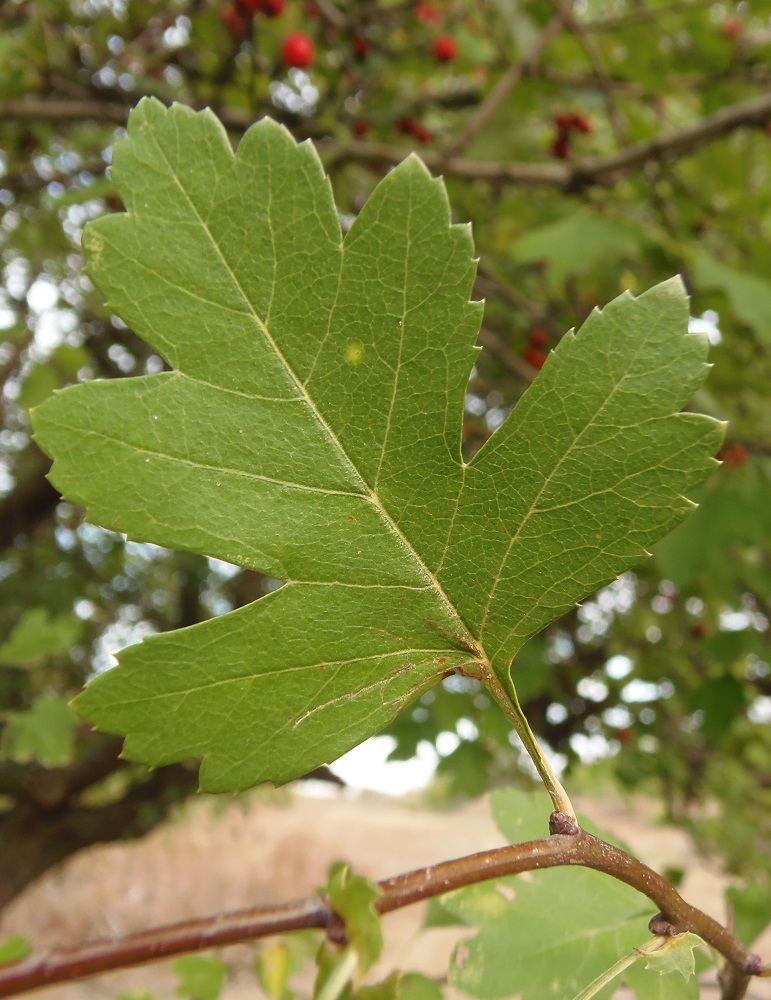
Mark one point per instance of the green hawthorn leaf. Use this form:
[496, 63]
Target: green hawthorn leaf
[45, 733]
[569, 924]
[748, 294]
[352, 897]
[200, 978]
[751, 908]
[14, 948]
[676, 955]
[668, 973]
[576, 244]
[310, 428]
[36, 636]
[415, 986]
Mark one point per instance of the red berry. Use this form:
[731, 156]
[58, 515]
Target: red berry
[623, 735]
[360, 128]
[360, 46]
[411, 126]
[233, 21]
[272, 8]
[582, 123]
[565, 122]
[427, 13]
[445, 48]
[249, 6]
[734, 454]
[731, 27]
[698, 630]
[535, 357]
[561, 147]
[297, 50]
[422, 133]
[539, 338]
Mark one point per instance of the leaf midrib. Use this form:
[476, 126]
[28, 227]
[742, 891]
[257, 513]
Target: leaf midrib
[368, 493]
[252, 677]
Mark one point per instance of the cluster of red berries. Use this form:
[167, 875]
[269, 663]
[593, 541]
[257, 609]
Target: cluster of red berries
[535, 354]
[414, 127]
[565, 124]
[444, 47]
[235, 18]
[297, 49]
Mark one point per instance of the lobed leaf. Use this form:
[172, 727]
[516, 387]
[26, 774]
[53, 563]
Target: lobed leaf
[310, 428]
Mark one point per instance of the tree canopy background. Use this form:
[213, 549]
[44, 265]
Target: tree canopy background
[594, 147]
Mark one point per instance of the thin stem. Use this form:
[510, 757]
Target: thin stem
[340, 976]
[503, 88]
[559, 797]
[581, 848]
[649, 948]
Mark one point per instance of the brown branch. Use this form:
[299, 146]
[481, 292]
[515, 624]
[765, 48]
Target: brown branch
[756, 112]
[642, 14]
[63, 110]
[592, 53]
[567, 846]
[503, 88]
[572, 177]
[582, 173]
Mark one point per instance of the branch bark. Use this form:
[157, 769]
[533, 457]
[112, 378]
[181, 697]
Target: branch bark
[583, 173]
[568, 845]
[503, 88]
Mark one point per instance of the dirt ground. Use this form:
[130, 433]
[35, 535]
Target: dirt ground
[271, 847]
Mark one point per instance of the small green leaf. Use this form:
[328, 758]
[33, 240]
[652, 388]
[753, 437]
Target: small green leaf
[352, 897]
[200, 978]
[387, 989]
[720, 699]
[751, 905]
[38, 635]
[415, 986]
[669, 971]
[45, 733]
[748, 294]
[576, 244]
[38, 384]
[676, 955]
[14, 948]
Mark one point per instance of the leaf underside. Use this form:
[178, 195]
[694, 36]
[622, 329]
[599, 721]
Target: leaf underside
[310, 429]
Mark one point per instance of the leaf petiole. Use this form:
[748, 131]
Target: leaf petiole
[559, 797]
[649, 948]
[340, 976]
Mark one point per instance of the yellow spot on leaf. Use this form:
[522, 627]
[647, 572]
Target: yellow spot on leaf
[354, 352]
